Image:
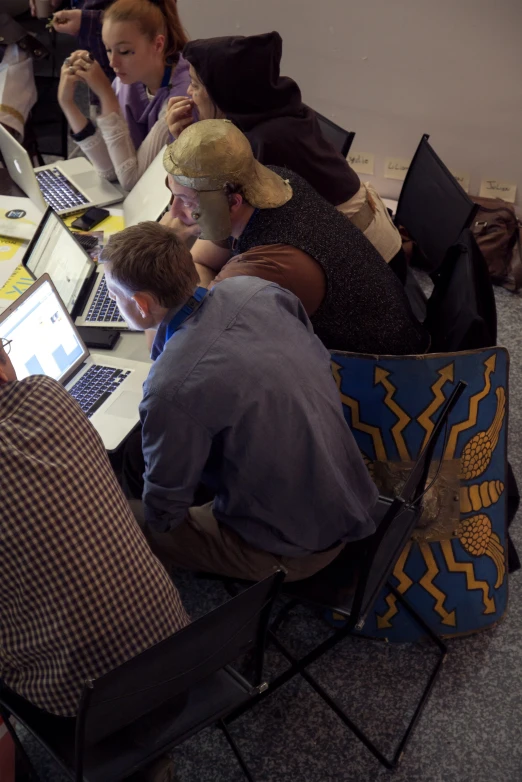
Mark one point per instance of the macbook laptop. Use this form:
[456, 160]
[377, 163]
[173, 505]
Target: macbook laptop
[46, 342]
[67, 185]
[79, 281]
[147, 200]
[149, 197]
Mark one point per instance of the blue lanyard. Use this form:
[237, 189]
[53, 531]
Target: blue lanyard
[188, 308]
[167, 73]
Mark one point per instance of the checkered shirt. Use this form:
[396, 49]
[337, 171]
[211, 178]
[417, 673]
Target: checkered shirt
[80, 590]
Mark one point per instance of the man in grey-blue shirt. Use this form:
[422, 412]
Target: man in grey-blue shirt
[241, 398]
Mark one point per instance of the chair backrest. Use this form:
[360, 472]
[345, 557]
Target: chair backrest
[399, 521]
[432, 206]
[174, 665]
[340, 139]
[461, 311]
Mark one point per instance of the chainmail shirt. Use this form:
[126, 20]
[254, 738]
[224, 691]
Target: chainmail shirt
[365, 309]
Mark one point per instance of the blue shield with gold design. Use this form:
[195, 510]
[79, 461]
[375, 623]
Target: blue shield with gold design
[453, 570]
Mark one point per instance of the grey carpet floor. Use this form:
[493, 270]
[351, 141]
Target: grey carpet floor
[470, 731]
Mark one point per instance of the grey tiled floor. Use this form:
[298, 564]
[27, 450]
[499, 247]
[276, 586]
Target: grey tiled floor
[470, 731]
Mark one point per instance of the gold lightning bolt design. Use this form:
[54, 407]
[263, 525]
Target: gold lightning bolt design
[474, 401]
[353, 404]
[381, 376]
[469, 571]
[424, 419]
[447, 617]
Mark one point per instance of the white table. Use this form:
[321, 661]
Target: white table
[131, 345]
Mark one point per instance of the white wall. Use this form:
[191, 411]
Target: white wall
[392, 70]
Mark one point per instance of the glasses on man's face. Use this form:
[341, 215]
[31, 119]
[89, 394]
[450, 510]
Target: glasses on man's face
[6, 344]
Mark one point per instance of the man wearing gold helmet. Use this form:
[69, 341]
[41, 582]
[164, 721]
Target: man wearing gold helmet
[265, 221]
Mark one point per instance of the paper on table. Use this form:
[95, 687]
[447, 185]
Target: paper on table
[8, 249]
[12, 250]
[361, 162]
[11, 254]
[17, 283]
[32, 214]
[396, 168]
[493, 188]
[18, 212]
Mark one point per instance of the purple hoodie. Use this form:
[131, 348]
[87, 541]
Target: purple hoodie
[140, 112]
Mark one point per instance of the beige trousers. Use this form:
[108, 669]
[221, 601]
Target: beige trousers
[201, 543]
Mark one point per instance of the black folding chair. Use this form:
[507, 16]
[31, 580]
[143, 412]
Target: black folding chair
[461, 311]
[432, 206]
[330, 591]
[340, 139]
[150, 704]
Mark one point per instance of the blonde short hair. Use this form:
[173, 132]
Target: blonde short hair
[149, 258]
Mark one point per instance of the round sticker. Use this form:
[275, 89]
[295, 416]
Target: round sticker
[15, 214]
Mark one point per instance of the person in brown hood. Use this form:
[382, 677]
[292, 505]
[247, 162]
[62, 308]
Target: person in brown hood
[238, 78]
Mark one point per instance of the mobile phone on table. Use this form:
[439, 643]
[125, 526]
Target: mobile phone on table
[99, 337]
[90, 219]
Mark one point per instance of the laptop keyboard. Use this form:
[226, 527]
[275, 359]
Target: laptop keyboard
[96, 385]
[58, 191]
[103, 309]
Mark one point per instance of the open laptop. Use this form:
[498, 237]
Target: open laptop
[46, 342]
[67, 185]
[79, 281]
[55, 251]
[149, 197]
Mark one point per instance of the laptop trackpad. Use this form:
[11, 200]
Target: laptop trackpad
[86, 180]
[125, 405]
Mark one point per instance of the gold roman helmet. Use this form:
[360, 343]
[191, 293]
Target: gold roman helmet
[208, 156]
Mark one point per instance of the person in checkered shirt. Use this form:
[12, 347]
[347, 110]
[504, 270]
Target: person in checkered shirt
[80, 590]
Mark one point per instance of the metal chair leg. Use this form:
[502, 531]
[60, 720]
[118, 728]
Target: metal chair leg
[235, 750]
[443, 652]
[389, 764]
[298, 666]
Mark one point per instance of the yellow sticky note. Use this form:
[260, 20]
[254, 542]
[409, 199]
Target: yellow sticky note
[462, 179]
[111, 224]
[396, 168]
[16, 284]
[362, 162]
[493, 188]
[9, 247]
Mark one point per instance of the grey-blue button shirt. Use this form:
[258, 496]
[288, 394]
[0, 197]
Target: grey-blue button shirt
[242, 398]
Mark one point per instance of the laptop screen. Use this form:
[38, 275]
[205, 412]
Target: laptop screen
[56, 252]
[45, 341]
